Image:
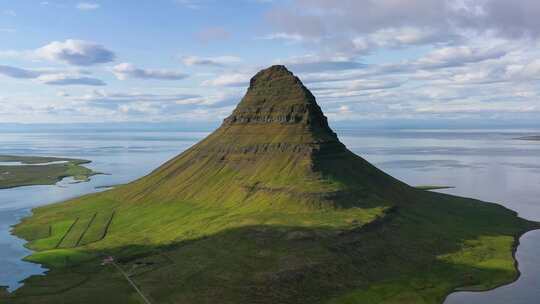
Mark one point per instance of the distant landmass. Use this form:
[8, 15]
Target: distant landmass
[269, 208]
[433, 187]
[18, 171]
[534, 138]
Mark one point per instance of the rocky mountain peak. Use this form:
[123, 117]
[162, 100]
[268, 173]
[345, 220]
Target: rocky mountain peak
[277, 96]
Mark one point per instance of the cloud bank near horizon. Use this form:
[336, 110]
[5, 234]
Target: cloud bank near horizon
[413, 60]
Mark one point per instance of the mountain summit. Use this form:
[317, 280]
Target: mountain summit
[275, 150]
[275, 95]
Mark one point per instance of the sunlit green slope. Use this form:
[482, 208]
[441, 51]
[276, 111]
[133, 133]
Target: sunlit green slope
[270, 208]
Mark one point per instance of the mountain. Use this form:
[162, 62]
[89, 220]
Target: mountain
[269, 208]
[275, 150]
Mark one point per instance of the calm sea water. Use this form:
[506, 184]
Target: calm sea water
[485, 164]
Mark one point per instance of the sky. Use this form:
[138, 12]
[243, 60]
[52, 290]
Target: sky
[190, 61]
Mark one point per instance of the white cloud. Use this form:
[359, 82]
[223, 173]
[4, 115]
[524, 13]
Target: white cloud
[51, 77]
[125, 71]
[395, 37]
[404, 35]
[15, 72]
[229, 80]
[191, 4]
[291, 37]
[417, 58]
[389, 23]
[75, 52]
[67, 79]
[210, 61]
[366, 85]
[528, 70]
[134, 105]
[312, 63]
[13, 54]
[139, 108]
[344, 110]
[87, 6]
[476, 108]
[455, 56]
[104, 97]
[219, 99]
[200, 4]
[10, 13]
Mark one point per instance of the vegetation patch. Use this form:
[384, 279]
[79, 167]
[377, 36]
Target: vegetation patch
[17, 171]
[97, 229]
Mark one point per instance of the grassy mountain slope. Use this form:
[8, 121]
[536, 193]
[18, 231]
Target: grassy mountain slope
[270, 208]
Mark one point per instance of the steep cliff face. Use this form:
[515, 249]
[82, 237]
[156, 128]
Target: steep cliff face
[275, 95]
[276, 150]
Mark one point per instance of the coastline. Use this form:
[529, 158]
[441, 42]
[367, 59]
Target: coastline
[534, 226]
[529, 138]
[515, 246]
[59, 179]
[75, 169]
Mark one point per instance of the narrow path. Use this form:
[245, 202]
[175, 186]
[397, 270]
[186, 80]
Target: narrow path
[132, 283]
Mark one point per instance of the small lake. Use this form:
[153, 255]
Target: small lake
[484, 164]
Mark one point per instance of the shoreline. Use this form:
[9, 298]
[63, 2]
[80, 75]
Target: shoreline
[28, 211]
[515, 246]
[73, 167]
[529, 138]
[535, 226]
[53, 184]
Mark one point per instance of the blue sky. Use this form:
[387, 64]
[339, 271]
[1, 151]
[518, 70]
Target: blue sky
[190, 60]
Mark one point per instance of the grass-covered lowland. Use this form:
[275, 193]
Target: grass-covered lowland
[270, 208]
[17, 171]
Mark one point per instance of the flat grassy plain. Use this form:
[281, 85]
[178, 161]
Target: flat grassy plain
[29, 173]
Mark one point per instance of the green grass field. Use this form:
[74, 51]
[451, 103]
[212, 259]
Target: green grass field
[186, 253]
[29, 174]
